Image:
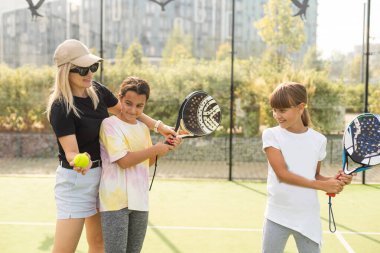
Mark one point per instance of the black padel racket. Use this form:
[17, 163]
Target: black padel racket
[361, 143]
[199, 115]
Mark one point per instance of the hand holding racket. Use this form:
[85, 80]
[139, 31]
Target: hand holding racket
[361, 142]
[199, 115]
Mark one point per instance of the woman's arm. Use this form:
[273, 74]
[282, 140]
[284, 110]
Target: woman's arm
[276, 160]
[148, 121]
[115, 109]
[70, 146]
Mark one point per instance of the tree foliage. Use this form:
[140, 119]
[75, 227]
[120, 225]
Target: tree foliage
[279, 30]
[23, 91]
[177, 47]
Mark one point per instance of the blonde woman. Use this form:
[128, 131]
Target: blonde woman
[76, 108]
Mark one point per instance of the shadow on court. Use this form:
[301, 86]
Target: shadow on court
[354, 231]
[250, 188]
[373, 186]
[47, 243]
[164, 238]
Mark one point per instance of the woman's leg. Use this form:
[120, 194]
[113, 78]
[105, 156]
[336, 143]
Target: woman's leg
[275, 237]
[94, 234]
[67, 235]
[138, 222]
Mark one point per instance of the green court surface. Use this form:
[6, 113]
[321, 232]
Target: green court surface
[190, 216]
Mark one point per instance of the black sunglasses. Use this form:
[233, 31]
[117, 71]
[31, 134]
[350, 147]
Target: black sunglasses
[83, 71]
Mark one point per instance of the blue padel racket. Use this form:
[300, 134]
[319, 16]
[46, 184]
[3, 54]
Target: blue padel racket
[361, 143]
[199, 115]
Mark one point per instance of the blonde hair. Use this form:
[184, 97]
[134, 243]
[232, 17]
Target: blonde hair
[290, 94]
[62, 92]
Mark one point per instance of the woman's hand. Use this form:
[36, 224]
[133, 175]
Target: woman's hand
[174, 141]
[165, 130]
[82, 170]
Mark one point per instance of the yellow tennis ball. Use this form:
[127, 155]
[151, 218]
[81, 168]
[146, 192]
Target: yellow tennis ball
[81, 160]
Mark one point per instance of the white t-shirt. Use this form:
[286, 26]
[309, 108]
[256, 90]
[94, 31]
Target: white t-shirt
[120, 188]
[293, 206]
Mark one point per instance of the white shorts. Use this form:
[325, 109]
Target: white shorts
[76, 195]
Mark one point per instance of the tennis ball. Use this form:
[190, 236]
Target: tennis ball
[81, 160]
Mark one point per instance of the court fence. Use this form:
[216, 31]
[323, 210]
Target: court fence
[206, 157]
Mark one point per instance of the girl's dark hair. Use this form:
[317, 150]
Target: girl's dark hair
[290, 94]
[136, 84]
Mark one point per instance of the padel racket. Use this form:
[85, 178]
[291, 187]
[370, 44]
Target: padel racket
[361, 143]
[199, 115]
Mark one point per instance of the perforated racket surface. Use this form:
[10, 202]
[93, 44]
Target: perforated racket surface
[361, 142]
[198, 116]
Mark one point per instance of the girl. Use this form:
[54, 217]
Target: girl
[127, 152]
[76, 107]
[294, 152]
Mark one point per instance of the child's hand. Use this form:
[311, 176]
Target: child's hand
[332, 185]
[344, 177]
[162, 148]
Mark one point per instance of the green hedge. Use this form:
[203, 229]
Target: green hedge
[24, 92]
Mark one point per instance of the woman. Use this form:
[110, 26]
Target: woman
[75, 109]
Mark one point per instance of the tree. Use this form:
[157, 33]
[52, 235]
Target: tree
[224, 51]
[355, 69]
[134, 54]
[177, 47]
[281, 32]
[338, 63]
[311, 60]
[119, 53]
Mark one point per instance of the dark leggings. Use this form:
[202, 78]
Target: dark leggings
[124, 230]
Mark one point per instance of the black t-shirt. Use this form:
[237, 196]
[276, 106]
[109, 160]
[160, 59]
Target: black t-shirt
[86, 128]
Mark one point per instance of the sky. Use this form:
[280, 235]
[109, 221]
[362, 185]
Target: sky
[340, 23]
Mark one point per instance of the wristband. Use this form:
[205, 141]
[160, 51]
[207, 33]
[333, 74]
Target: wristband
[157, 125]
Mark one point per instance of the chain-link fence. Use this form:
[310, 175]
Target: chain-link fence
[195, 158]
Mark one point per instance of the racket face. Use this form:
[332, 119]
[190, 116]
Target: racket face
[361, 141]
[200, 114]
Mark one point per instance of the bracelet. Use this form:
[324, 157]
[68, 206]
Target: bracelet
[157, 125]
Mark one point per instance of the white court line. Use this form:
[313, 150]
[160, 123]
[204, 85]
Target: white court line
[344, 242]
[47, 224]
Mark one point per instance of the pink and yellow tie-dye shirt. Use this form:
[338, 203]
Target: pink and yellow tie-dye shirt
[120, 188]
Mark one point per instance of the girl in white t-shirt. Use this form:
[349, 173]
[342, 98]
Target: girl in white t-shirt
[294, 152]
[127, 152]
